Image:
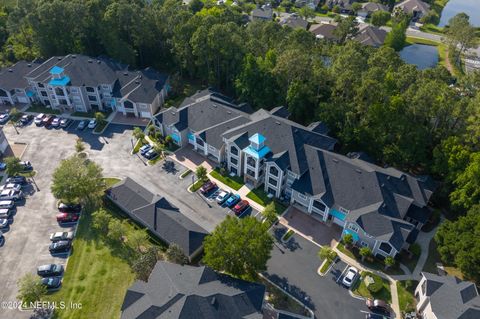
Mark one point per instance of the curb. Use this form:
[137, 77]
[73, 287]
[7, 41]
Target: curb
[103, 130]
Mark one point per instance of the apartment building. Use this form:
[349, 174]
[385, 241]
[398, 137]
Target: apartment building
[382, 208]
[80, 83]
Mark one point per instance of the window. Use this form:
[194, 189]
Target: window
[74, 90]
[3, 93]
[128, 105]
[90, 89]
[59, 91]
[319, 205]
[233, 160]
[260, 173]
[200, 142]
[40, 85]
[353, 227]
[273, 171]
[94, 106]
[234, 150]
[233, 170]
[271, 191]
[386, 248]
[273, 182]
[343, 210]
[92, 98]
[62, 101]
[251, 161]
[250, 172]
[364, 244]
[43, 93]
[302, 196]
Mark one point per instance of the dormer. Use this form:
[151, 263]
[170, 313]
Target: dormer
[58, 77]
[257, 141]
[257, 148]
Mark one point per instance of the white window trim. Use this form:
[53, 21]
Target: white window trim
[353, 227]
[302, 196]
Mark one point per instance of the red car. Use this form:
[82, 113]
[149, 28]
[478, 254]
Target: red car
[67, 217]
[208, 187]
[47, 120]
[241, 207]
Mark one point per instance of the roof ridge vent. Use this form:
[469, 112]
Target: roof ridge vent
[125, 73]
[90, 61]
[59, 58]
[98, 61]
[278, 123]
[73, 56]
[335, 160]
[29, 65]
[10, 70]
[213, 301]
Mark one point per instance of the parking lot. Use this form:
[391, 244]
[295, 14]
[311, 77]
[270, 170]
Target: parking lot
[26, 243]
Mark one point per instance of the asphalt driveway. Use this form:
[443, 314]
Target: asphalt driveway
[293, 266]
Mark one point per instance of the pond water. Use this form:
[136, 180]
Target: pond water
[453, 7]
[423, 56]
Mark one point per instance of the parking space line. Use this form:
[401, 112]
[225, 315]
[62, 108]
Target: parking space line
[341, 275]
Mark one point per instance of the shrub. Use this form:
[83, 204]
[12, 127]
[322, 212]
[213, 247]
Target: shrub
[415, 249]
[373, 282]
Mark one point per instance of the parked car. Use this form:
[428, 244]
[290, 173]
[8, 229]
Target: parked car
[51, 283]
[17, 179]
[4, 223]
[241, 207]
[145, 148]
[232, 200]
[64, 122]
[61, 235]
[2, 239]
[61, 246]
[378, 305]
[56, 122]
[50, 270]
[3, 166]
[27, 166]
[6, 213]
[10, 194]
[16, 187]
[26, 118]
[48, 119]
[81, 126]
[67, 217]
[7, 204]
[222, 197]
[151, 154]
[208, 187]
[375, 316]
[92, 123]
[39, 119]
[69, 208]
[4, 117]
[350, 276]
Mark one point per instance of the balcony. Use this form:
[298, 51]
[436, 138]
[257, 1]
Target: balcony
[251, 162]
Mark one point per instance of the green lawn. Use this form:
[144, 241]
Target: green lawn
[110, 181]
[234, 182]
[42, 109]
[186, 173]
[406, 297]
[196, 186]
[155, 160]
[287, 235]
[97, 275]
[90, 114]
[362, 290]
[281, 301]
[258, 195]
[100, 126]
[325, 266]
[344, 250]
[137, 146]
[408, 261]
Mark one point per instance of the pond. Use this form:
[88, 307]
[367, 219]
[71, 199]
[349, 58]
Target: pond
[423, 56]
[453, 7]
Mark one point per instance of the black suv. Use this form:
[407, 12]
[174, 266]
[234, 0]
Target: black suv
[50, 270]
[61, 246]
[17, 180]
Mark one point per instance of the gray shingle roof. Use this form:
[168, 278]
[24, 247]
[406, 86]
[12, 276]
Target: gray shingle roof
[452, 298]
[130, 195]
[265, 12]
[324, 30]
[370, 35]
[413, 5]
[373, 6]
[186, 292]
[140, 86]
[13, 77]
[294, 21]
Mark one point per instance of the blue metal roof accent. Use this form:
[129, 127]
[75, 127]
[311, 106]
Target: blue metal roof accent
[351, 232]
[258, 154]
[113, 102]
[257, 139]
[63, 81]
[175, 137]
[337, 214]
[191, 136]
[56, 70]
[30, 93]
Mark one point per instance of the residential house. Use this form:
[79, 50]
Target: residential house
[294, 21]
[185, 292]
[81, 83]
[263, 13]
[382, 208]
[14, 88]
[370, 35]
[446, 297]
[344, 5]
[324, 31]
[312, 4]
[3, 142]
[368, 8]
[160, 217]
[415, 8]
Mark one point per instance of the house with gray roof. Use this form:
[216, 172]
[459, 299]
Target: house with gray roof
[446, 297]
[263, 13]
[415, 8]
[81, 83]
[185, 292]
[294, 21]
[370, 35]
[344, 5]
[382, 208]
[159, 216]
[368, 8]
[312, 4]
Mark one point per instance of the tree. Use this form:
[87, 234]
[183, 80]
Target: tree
[30, 289]
[76, 179]
[327, 253]
[138, 240]
[13, 165]
[460, 35]
[240, 247]
[151, 129]
[467, 190]
[347, 240]
[347, 28]
[101, 220]
[365, 252]
[306, 12]
[380, 18]
[336, 9]
[196, 5]
[396, 38]
[201, 173]
[15, 115]
[144, 263]
[100, 117]
[138, 133]
[117, 230]
[169, 140]
[79, 145]
[356, 6]
[458, 244]
[270, 213]
[176, 254]
[287, 4]
[389, 262]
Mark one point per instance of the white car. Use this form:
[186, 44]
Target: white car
[15, 187]
[7, 204]
[222, 197]
[92, 123]
[62, 235]
[4, 117]
[350, 277]
[3, 223]
[39, 118]
[10, 194]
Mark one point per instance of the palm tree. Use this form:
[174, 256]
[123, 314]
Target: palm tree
[365, 252]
